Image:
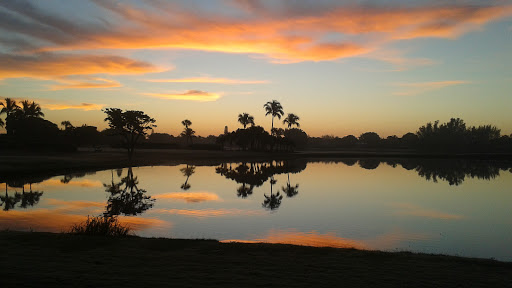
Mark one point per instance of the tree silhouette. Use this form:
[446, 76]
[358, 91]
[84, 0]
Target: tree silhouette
[67, 125]
[30, 198]
[245, 119]
[187, 132]
[187, 171]
[291, 119]
[275, 109]
[9, 108]
[127, 200]
[131, 125]
[31, 109]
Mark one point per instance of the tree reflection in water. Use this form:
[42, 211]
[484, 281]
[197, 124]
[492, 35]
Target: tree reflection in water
[255, 174]
[126, 198]
[26, 199]
[187, 171]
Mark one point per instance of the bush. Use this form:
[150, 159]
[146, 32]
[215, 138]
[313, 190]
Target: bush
[101, 226]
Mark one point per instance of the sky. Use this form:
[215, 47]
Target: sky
[344, 67]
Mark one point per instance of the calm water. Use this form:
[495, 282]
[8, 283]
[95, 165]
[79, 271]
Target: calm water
[450, 207]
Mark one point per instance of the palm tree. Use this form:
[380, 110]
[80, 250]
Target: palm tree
[67, 125]
[31, 109]
[245, 119]
[273, 201]
[186, 123]
[8, 108]
[291, 119]
[275, 109]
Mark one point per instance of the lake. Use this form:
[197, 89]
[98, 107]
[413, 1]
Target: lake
[455, 207]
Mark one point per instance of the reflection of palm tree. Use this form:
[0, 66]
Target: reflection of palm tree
[30, 198]
[9, 201]
[275, 109]
[245, 119]
[129, 200]
[244, 191]
[273, 201]
[187, 171]
[290, 190]
[291, 120]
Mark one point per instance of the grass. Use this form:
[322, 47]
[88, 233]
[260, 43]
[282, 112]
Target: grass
[70, 260]
[101, 226]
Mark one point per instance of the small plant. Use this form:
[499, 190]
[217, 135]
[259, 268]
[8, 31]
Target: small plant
[101, 226]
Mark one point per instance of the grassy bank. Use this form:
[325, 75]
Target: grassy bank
[63, 260]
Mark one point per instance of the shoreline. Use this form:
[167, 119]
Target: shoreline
[63, 260]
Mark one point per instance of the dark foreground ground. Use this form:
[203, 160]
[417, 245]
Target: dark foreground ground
[63, 260]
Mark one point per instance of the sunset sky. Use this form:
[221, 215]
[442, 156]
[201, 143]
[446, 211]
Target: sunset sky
[344, 67]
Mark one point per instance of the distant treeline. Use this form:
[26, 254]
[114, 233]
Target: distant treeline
[27, 129]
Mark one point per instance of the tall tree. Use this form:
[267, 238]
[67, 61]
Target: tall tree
[9, 108]
[31, 109]
[291, 119]
[275, 109]
[188, 132]
[245, 119]
[67, 125]
[130, 124]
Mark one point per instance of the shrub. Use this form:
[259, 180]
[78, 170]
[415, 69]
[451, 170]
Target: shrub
[101, 226]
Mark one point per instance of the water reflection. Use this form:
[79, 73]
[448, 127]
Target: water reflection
[187, 172]
[126, 198]
[255, 174]
[26, 199]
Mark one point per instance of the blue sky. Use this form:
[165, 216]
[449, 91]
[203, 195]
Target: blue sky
[343, 67]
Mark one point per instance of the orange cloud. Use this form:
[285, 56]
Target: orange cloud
[289, 34]
[55, 66]
[82, 106]
[74, 182]
[209, 80]
[312, 238]
[93, 82]
[190, 95]
[190, 197]
[417, 88]
[207, 212]
[53, 221]
[409, 209]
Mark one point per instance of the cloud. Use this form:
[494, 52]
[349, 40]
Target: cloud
[189, 197]
[409, 209]
[205, 213]
[76, 182]
[82, 106]
[285, 32]
[49, 220]
[90, 82]
[52, 66]
[190, 95]
[209, 80]
[421, 87]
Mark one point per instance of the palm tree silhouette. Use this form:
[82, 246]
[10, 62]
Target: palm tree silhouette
[244, 191]
[187, 132]
[291, 119]
[30, 198]
[31, 109]
[9, 107]
[245, 119]
[187, 171]
[9, 201]
[275, 109]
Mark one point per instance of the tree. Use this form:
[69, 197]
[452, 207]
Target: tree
[245, 119]
[188, 132]
[9, 108]
[131, 125]
[369, 138]
[187, 171]
[186, 123]
[275, 109]
[291, 120]
[31, 109]
[67, 125]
